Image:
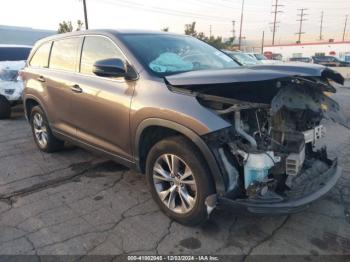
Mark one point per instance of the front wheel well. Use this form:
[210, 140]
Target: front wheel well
[149, 137]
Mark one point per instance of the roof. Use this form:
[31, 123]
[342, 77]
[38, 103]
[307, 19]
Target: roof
[107, 32]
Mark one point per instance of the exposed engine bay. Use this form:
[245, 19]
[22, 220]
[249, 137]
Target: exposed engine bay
[271, 144]
[270, 148]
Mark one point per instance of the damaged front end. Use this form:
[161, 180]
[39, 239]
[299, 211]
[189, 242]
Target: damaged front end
[270, 157]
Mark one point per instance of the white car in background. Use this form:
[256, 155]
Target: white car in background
[12, 60]
[262, 59]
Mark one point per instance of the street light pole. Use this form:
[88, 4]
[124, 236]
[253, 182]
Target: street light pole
[346, 23]
[85, 15]
[263, 42]
[240, 29]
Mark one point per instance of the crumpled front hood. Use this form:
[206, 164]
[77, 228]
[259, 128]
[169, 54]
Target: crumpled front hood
[295, 86]
[252, 74]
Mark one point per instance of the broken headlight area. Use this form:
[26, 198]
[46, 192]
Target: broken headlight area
[269, 153]
[9, 91]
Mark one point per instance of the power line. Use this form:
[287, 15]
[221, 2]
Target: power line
[163, 11]
[345, 25]
[276, 6]
[301, 20]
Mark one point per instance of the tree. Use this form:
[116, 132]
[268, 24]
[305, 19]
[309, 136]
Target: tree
[80, 25]
[66, 26]
[165, 29]
[190, 29]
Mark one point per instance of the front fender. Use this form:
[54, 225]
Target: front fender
[197, 140]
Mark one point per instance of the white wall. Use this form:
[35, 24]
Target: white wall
[308, 50]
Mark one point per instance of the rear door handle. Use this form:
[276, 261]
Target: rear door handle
[41, 79]
[76, 89]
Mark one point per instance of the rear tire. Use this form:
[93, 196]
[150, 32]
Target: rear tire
[42, 133]
[5, 108]
[180, 194]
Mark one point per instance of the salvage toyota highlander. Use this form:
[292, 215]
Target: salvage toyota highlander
[205, 131]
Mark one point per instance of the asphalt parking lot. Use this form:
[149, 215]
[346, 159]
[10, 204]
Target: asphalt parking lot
[77, 203]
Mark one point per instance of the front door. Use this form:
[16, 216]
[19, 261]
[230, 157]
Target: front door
[100, 105]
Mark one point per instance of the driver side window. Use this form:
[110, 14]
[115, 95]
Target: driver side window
[97, 48]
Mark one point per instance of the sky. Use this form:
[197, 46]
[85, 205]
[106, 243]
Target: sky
[157, 14]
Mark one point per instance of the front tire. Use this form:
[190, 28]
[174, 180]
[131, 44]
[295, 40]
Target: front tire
[179, 180]
[5, 108]
[42, 133]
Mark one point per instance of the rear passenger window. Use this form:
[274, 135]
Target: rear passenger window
[97, 48]
[64, 54]
[41, 56]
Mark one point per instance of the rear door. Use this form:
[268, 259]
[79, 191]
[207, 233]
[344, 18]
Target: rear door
[101, 109]
[36, 69]
[60, 80]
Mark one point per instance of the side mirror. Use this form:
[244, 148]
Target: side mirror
[112, 67]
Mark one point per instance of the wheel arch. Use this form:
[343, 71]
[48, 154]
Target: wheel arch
[29, 103]
[169, 128]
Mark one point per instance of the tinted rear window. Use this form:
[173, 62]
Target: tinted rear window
[14, 53]
[64, 54]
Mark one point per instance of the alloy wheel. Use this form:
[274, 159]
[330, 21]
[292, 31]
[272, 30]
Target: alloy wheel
[175, 183]
[40, 130]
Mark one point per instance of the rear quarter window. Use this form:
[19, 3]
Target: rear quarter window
[41, 56]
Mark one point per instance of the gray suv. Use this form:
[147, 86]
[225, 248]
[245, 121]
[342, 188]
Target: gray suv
[205, 131]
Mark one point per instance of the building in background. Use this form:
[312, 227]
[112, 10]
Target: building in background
[22, 35]
[340, 50]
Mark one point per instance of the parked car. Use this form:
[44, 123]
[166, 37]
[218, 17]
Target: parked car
[204, 130]
[263, 59]
[12, 59]
[242, 58]
[301, 59]
[330, 61]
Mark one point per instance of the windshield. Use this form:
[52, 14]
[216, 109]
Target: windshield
[260, 57]
[170, 54]
[244, 59]
[300, 59]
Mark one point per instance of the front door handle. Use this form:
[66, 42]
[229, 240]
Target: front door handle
[41, 79]
[76, 89]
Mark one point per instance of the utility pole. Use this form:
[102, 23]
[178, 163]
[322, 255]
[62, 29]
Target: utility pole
[262, 42]
[85, 15]
[275, 12]
[233, 30]
[210, 31]
[301, 20]
[321, 27]
[346, 23]
[241, 26]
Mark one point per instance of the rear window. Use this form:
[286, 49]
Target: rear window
[64, 54]
[14, 53]
[41, 56]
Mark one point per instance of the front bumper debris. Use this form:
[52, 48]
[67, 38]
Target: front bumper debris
[295, 200]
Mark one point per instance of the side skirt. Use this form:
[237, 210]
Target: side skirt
[89, 147]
